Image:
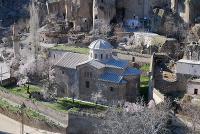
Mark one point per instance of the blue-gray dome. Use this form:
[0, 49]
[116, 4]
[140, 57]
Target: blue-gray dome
[100, 44]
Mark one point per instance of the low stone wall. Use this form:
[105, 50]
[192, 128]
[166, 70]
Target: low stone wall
[58, 117]
[32, 122]
[132, 53]
[83, 124]
[77, 123]
[157, 96]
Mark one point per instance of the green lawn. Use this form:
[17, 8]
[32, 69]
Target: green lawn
[67, 104]
[28, 112]
[62, 104]
[22, 90]
[145, 68]
[81, 50]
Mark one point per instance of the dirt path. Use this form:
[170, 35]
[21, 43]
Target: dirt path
[55, 116]
[8, 125]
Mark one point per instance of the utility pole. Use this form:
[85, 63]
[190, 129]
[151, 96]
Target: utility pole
[1, 75]
[23, 106]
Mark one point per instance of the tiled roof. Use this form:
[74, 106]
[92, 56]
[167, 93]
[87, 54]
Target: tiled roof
[112, 77]
[100, 44]
[96, 64]
[112, 63]
[131, 71]
[93, 63]
[71, 60]
[120, 64]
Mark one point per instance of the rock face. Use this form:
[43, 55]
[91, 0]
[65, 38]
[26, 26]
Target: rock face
[103, 12]
[187, 9]
[13, 10]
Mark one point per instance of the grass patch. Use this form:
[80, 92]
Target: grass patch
[16, 109]
[5, 105]
[145, 68]
[67, 104]
[61, 105]
[81, 50]
[27, 112]
[22, 90]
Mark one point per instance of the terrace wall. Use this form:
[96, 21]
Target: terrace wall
[61, 118]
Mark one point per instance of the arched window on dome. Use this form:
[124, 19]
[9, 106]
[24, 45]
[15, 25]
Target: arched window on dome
[101, 56]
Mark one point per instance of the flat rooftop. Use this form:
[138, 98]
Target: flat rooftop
[195, 81]
[189, 61]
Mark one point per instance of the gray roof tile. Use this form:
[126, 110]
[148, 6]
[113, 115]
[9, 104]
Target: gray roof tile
[131, 71]
[100, 44]
[111, 77]
[71, 60]
[120, 64]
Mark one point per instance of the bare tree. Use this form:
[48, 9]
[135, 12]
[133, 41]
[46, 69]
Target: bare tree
[96, 96]
[136, 119]
[193, 113]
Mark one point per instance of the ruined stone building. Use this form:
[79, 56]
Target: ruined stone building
[77, 12]
[193, 87]
[131, 8]
[188, 68]
[56, 7]
[192, 51]
[97, 73]
[187, 9]
[103, 12]
[87, 13]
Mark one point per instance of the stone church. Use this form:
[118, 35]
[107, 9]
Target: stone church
[99, 74]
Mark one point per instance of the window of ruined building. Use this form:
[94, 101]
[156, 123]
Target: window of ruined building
[87, 84]
[111, 89]
[22, 47]
[101, 56]
[63, 72]
[96, 17]
[101, 8]
[139, 2]
[195, 91]
[95, 56]
[64, 15]
[90, 74]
